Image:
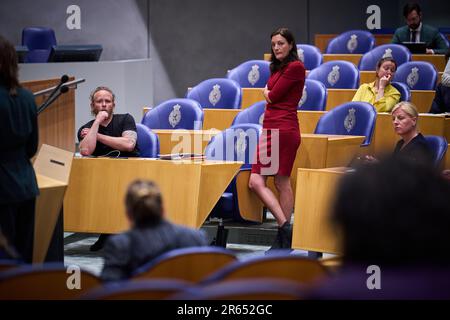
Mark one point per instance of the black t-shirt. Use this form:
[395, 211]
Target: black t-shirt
[417, 149]
[118, 124]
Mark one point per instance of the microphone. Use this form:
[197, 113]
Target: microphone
[63, 80]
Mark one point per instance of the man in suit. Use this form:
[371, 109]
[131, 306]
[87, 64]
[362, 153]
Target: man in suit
[416, 31]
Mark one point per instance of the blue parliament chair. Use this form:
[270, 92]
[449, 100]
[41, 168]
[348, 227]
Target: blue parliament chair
[314, 96]
[285, 266]
[438, 146]
[353, 41]
[418, 75]
[253, 114]
[154, 289]
[251, 74]
[218, 93]
[350, 118]
[188, 264]
[237, 143]
[39, 41]
[336, 75]
[244, 289]
[175, 114]
[310, 56]
[405, 93]
[399, 53]
[44, 282]
[147, 141]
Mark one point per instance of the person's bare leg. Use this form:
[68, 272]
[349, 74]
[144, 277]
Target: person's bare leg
[283, 185]
[257, 183]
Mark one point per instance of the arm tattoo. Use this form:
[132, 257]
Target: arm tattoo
[131, 135]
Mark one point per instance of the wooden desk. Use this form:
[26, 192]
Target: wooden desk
[314, 197]
[421, 98]
[94, 200]
[184, 141]
[57, 123]
[353, 58]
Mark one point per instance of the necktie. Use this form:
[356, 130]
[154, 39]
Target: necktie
[413, 35]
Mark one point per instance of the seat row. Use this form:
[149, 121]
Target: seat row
[190, 270]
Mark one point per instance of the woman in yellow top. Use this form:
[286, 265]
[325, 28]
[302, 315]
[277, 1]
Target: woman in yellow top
[380, 93]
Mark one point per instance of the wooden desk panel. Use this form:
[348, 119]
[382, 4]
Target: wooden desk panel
[251, 96]
[421, 98]
[219, 119]
[385, 138]
[369, 76]
[57, 123]
[438, 60]
[184, 141]
[353, 58]
[314, 197]
[94, 200]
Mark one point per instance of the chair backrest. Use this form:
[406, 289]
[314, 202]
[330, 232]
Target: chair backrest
[39, 41]
[310, 56]
[280, 266]
[218, 93]
[244, 289]
[405, 93]
[48, 281]
[353, 41]
[251, 74]
[148, 142]
[438, 146]
[237, 143]
[399, 53]
[314, 96]
[190, 264]
[418, 75]
[351, 118]
[154, 289]
[175, 114]
[336, 74]
[253, 114]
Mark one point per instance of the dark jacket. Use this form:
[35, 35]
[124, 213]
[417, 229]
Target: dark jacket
[126, 252]
[19, 142]
[428, 34]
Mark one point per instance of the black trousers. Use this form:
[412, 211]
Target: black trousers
[17, 225]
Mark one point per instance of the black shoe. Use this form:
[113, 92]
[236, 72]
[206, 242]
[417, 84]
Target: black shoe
[286, 235]
[98, 245]
[277, 242]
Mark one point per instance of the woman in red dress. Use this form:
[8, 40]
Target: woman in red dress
[280, 139]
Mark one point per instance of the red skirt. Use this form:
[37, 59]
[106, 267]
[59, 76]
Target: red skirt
[276, 152]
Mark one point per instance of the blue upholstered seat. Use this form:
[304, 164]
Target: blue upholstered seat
[39, 41]
[147, 141]
[336, 75]
[438, 146]
[314, 96]
[405, 93]
[218, 93]
[399, 53]
[175, 114]
[418, 75]
[237, 143]
[353, 41]
[251, 74]
[309, 55]
[351, 118]
[253, 114]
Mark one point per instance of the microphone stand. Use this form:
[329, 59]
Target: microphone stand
[52, 98]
